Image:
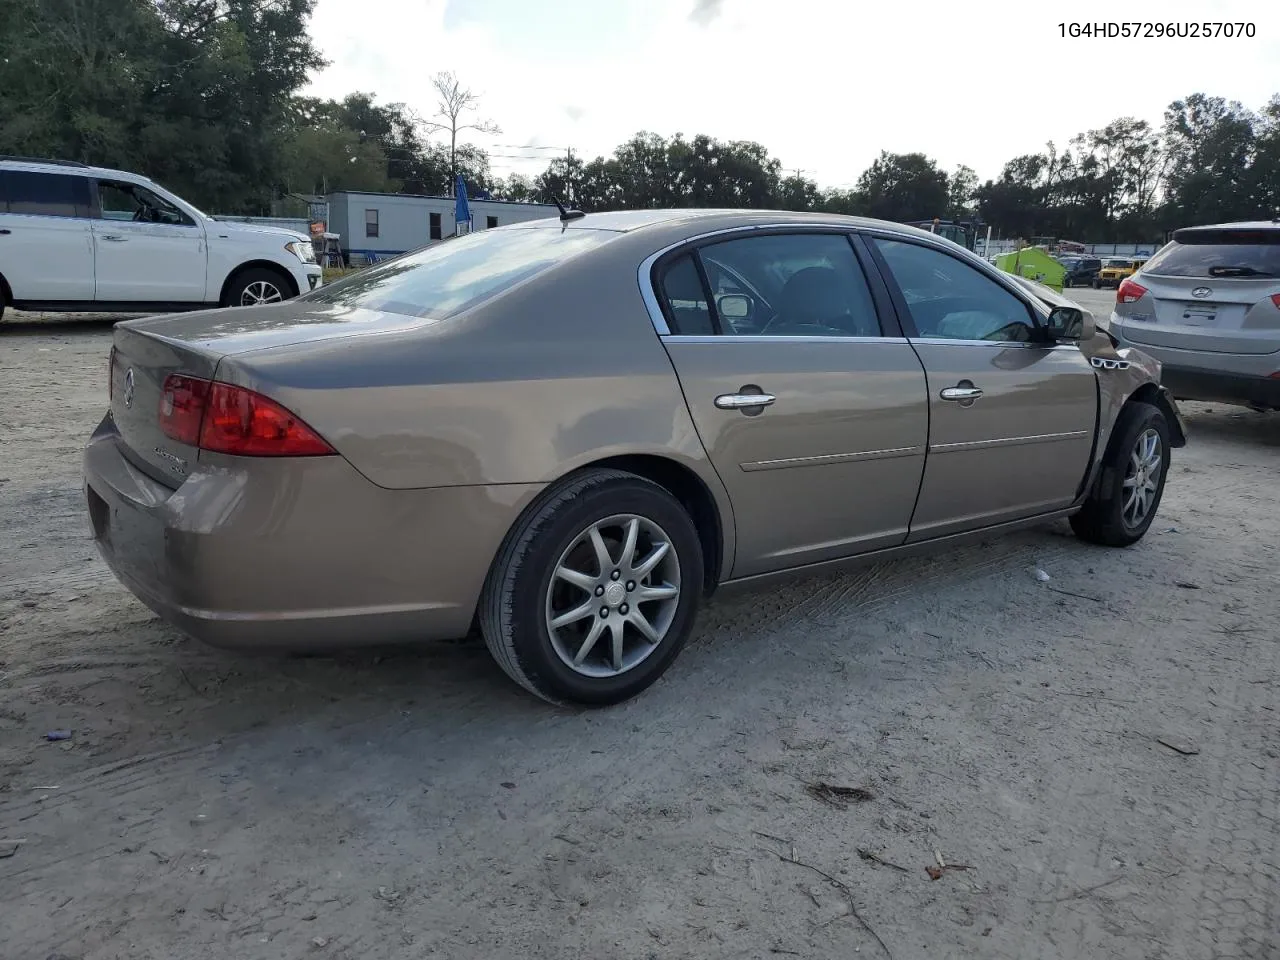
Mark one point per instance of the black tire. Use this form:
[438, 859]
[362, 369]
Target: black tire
[248, 281]
[1097, 284]
[513, 607]
[1102, 520]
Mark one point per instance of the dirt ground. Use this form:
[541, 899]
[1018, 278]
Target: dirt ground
[1096, 758]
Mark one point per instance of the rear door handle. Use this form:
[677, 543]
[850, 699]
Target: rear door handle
[5, 232]
[739, 401]
[114, 237]
[961, 394]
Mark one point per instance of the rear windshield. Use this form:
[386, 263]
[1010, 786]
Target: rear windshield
[448, 277]
[1219, 259]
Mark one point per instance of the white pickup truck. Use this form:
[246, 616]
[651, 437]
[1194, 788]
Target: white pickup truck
[81, 238]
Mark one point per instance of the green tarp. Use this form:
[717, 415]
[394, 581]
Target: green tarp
[1034, 264]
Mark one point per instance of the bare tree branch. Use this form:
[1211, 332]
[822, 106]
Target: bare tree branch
[453, 103]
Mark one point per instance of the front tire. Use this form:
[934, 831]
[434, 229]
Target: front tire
[257, 286]
[1131, 481]
[594, 593]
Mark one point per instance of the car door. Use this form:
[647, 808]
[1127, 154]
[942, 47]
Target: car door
[814, 418]
[46, 251]
[147, 249]
[1012, 416]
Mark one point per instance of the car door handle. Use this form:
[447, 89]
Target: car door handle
[114, 237]
[961, 394]
[5, 233]
[737, 401]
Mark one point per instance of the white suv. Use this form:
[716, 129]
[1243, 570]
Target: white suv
[81, 238]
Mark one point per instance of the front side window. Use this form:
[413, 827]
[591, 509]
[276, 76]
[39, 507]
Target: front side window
[444, 279]
[808, 284]
[371, 223]
[43, 194]
[128, 201]
[951, 300]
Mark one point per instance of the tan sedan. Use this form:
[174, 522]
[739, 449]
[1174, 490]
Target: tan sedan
[569, 432]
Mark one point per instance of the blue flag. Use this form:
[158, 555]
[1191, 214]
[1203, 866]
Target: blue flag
[461, 211]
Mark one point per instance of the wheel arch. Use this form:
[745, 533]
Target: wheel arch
[6, 293]
[694, 495]
[271, 265]
[1152, 393]
[677, 479]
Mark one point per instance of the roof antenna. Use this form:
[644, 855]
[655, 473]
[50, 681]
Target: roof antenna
[567, 215]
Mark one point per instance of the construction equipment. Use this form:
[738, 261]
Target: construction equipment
[963, 232]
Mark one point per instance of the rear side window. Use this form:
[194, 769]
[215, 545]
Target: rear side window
[448, 277]
[797, 285]
[1222, 254]
[686, 299]
[43, 194]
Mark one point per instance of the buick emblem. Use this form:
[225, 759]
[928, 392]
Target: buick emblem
[1201, 292]
[128, 388]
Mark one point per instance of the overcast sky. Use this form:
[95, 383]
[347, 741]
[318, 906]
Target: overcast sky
[823, 84]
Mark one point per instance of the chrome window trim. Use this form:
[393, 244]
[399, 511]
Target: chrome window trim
[774, 338]
[645, 274]
[648, 292]
[948, 342]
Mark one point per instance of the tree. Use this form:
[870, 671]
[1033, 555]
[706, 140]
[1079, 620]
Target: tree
[454, 104]
[799, 193]
[1212, 144]
[962, 189]
[193, 93]
[903, 186]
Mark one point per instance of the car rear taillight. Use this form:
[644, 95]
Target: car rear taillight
[1129, 292]
[224, 418]
[182, 403]
[1275, 298]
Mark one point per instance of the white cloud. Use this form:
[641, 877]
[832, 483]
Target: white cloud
[824, 84]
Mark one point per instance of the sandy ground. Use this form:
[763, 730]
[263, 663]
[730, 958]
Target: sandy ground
[418, 805]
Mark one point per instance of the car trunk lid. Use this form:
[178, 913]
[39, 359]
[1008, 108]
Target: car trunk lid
[149, 350]
[140, 364]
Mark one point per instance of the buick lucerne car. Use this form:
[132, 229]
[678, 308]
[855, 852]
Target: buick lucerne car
[569, 432]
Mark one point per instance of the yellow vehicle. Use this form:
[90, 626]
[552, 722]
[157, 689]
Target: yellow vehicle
[1116, 269]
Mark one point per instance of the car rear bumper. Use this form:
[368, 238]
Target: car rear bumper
[298, 554]
[1212, 386]
[1243, 378]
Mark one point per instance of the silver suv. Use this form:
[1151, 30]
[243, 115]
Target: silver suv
[1207, 306]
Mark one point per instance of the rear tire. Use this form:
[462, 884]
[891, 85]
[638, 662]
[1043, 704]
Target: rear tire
[550, 570]
[1130, 482]
[257, 286]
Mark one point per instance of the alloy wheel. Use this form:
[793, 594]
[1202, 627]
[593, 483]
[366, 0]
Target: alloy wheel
[260, 292]
[1142, 478]
[613, 596]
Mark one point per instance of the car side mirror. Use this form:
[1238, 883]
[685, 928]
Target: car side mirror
[1069, 323]
[735, 306]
